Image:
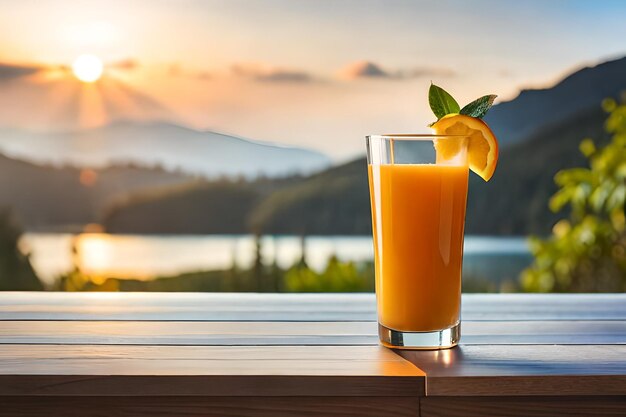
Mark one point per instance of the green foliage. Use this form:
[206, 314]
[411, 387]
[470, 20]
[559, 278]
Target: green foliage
[337, 277]
[587, 250]
[16, 272]
[441, 102]
[479, 107]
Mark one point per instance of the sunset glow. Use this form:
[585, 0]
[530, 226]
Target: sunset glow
[241, 68]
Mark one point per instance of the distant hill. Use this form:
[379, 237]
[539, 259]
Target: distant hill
[330, 202]
[63, 198]
[533, 111]
[217, 208]
[171, 146]
[333, 202]
[223, 206]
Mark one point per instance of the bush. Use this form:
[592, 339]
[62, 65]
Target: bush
[16, 272]
[587, 251]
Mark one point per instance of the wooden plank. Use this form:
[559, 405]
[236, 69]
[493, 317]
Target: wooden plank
[210, 407]
[523, 406]
[302, 353]
[293, 307]
[540, 307]
[523, 370]
[186, 306]
[188, 333]
[289, 333]
[218, 371]
[209, 385]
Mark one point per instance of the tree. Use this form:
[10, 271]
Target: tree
[16, 272]
[587, 250]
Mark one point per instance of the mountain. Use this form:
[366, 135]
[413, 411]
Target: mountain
[541, 128]
[514, 202]
[336, 201]
[332, 202]
[158, 143]
[220, 207]
[62, 198]
[534, 110]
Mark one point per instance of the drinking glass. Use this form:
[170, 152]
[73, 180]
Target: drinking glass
[418, 193]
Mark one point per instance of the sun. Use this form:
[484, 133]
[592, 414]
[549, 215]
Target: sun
[87, 68]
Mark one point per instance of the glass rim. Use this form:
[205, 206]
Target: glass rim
[413, 136]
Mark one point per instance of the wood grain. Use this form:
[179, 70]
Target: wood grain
[209, 385]
[118, 370]
[151, 352]
[209, 407]
[523, 370]
[292, 307]
[523, 406]
[207, 360]
[188, 333]
[289, 333]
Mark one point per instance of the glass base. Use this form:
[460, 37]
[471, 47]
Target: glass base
[438, 339]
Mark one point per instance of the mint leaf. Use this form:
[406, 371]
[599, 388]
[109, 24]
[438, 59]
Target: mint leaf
[441, 102]
[479, 107]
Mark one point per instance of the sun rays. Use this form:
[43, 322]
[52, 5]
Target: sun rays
[63, 98]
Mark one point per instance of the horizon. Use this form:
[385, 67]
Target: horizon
[246, 71]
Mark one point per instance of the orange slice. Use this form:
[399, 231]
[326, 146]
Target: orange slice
[482, 151]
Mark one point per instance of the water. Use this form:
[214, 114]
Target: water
[494, 259]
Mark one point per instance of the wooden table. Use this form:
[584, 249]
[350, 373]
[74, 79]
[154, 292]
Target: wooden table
[132, 354]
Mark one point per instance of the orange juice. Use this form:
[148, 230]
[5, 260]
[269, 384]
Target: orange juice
[418, 214]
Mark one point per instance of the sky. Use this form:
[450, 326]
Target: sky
[317, 74]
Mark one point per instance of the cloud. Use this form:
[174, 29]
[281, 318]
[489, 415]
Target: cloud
[423, 72]
[363, 69]
[125, 64]
[176, 70]
[9, 71]
[265, 73]
[368, 69]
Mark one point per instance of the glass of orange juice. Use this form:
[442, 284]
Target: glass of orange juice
[418, 197]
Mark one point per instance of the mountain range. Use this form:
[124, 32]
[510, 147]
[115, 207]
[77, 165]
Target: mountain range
[540, 131]
[534, 110]
[171, 146]
[515, 201]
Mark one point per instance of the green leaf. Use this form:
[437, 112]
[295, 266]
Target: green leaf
[587, 147]
[441, 102]
[479, 107]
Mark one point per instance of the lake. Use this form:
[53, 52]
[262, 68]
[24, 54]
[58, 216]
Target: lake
[140, 256]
